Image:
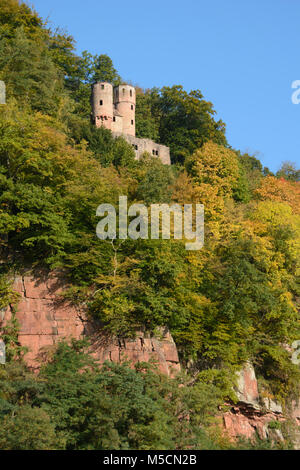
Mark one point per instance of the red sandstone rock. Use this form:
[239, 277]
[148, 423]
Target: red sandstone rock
[45, 319]
[248, 418]
[238, 425]
[239, 422]
[247, 390]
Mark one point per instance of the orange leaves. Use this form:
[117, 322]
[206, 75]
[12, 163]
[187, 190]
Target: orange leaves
[280, 190]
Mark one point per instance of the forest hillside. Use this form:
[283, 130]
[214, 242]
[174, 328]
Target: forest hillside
[233, 301]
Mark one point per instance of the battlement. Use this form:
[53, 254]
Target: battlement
[114, 109]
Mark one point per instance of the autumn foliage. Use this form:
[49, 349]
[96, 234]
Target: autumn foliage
[235, 300]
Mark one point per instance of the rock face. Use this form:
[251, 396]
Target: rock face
[247, 390]
[45, 319]
[252, 414]
[249, 422]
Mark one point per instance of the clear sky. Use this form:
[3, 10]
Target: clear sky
[242, 54]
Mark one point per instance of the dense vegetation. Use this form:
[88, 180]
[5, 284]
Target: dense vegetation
[232, 301]
[74, 405]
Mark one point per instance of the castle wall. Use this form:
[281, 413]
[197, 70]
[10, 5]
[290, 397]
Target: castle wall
[117, 124]
[147, 145]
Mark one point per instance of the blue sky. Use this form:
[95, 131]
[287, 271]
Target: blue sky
[242, 54]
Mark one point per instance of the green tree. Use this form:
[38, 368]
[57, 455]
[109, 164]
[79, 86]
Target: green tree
[15, 15]
[185, 120]
[155, 184]
[147, 123]
[28, 429]
[30, 75]
[104, 70]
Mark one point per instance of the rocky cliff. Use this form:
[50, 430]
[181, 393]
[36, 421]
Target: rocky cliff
[46, 318]
[255, 415]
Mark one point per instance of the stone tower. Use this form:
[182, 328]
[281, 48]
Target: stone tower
[102, 104]
[124, 100]
[114, 109]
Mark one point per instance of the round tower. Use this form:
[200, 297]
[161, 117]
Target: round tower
[102, 104]
[124, 100]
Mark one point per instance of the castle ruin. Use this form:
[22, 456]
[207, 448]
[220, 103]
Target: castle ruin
[114, 109]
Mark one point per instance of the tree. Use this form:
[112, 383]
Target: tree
[104, 70]
[15, 15]
[215, 165]
[289, 171]
[29, 429]
[185, 120]
[147, 124]
[155, 185]
[120, 407]
[280, 190]
[30, 74]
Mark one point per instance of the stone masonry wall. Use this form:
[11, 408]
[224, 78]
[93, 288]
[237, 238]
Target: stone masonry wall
[146, 145]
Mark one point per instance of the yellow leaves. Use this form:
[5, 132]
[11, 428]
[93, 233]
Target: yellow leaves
[273, 215]
[113, 282]
[184, 192]
[222, 333]
[214, 173]
[217, 166]
[198, 259]
[213, 203]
